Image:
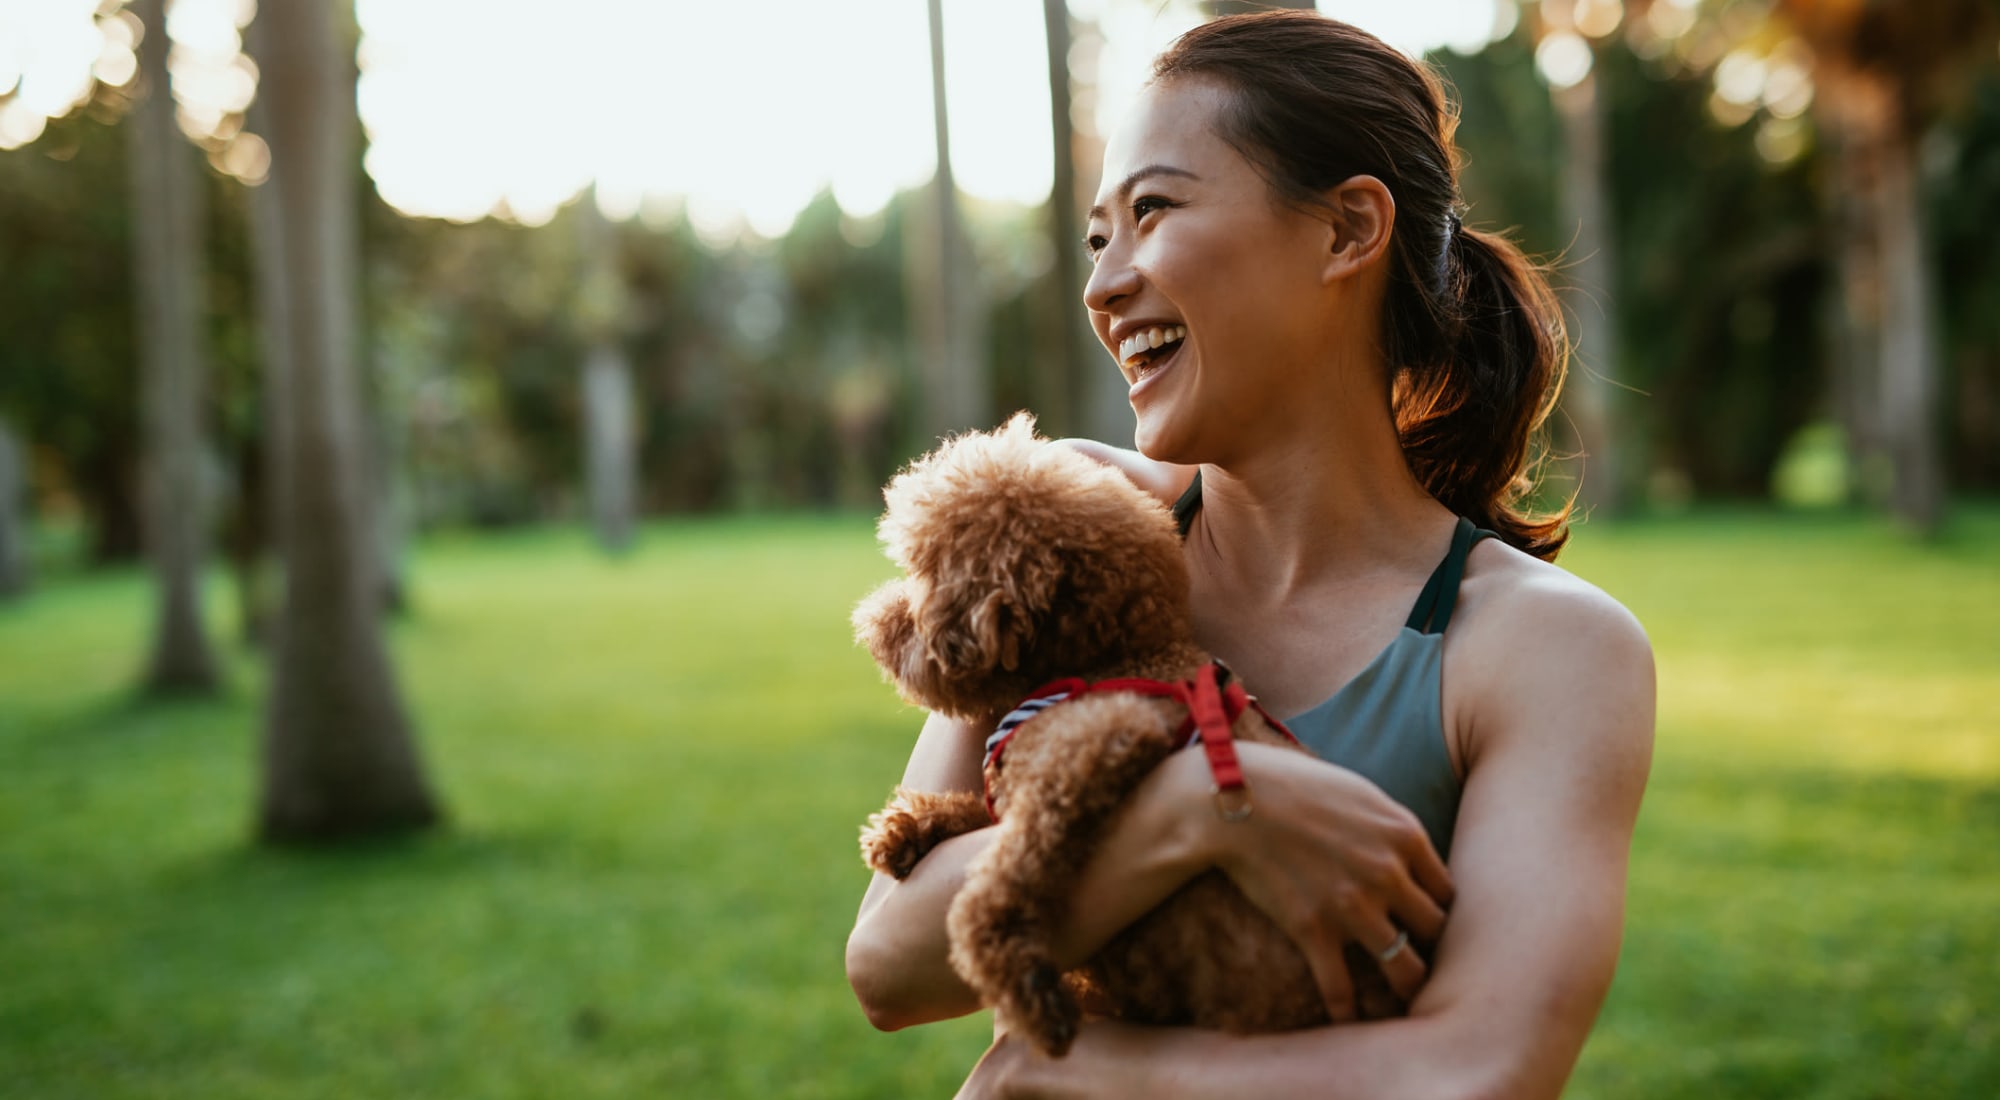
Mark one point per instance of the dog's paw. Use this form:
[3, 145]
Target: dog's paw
[1046, 1011]
[894, 840]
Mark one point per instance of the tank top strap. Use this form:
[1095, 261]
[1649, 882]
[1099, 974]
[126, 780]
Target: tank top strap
[1188, 505]
[1440, 595]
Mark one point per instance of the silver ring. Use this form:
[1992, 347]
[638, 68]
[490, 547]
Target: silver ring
[1394, 949]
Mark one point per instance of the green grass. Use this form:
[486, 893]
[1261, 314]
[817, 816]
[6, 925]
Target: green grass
[655, 769]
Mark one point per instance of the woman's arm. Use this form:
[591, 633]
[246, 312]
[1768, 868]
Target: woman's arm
[1371, 863]
[897, 952]
[1562, 746]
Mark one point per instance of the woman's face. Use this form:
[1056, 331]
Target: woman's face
[1187, 238]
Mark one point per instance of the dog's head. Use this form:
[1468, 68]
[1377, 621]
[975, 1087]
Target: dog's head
[1024, 562]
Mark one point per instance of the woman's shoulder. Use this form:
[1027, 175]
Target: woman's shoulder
[1539, 648]
[1164, 481]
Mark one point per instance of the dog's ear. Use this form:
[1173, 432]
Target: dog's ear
[887, 626]
[884, 627]
[978, 629]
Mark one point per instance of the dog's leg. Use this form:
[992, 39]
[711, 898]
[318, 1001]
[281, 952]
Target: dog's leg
[1067, 773]
[914, 822]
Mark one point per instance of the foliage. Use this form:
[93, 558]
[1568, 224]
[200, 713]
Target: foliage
[653, 868]
[781, 373]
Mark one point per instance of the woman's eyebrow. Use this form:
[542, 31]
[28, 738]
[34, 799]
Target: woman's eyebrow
[1136, 178]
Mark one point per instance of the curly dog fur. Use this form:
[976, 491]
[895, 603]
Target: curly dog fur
[1025, 562]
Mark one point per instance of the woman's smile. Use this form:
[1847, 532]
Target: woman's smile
[1144, 373]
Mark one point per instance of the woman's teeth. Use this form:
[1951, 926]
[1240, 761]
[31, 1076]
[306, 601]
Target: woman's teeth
[1130, 348]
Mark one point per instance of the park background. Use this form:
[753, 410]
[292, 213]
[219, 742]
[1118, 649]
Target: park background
[438, 448]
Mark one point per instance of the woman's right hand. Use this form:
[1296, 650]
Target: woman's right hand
[1333, 861]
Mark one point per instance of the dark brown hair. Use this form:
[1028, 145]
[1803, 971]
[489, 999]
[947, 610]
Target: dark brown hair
[1471, 330]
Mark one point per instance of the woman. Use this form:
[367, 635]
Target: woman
[1358, 371]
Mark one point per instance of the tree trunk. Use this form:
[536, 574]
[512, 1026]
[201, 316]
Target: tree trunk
[610, 416]
[339, 759]
[1887, 292]
[1910, 372]
[950, 318]
[1104, 398]
[1591, 296]
[388, 474]
[1844, 108]
[166, 224]
[13, 526]
[260, 568]
[1066, 356]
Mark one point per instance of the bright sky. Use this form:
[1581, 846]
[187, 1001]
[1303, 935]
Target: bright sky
[742, 111]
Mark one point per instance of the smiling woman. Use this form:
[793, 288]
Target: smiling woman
[1336, 382]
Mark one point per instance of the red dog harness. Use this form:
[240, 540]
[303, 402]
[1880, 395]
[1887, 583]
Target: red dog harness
[1214, 700]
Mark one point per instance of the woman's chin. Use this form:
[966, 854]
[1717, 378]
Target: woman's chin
[1161, 436]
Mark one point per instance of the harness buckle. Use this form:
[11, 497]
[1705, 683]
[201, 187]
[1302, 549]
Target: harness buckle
[1233, 804]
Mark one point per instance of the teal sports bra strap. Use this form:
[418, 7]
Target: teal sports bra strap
[1440, 595]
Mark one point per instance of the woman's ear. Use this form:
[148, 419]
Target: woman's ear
[1360, 215]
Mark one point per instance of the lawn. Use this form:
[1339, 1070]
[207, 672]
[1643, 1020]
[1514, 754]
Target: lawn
[655, 768]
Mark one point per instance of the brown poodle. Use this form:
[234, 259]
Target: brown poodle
[1027, 561]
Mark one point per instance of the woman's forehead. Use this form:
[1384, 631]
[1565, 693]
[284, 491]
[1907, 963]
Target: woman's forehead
[1171, 123]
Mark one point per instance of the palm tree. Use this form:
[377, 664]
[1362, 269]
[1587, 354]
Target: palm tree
[610, 417]
[166, 192]
[948, 313]
[339, 758]
[1062, 367]
[1099, 398]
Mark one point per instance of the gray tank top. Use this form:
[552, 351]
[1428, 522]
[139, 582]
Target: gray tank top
[1387, 723]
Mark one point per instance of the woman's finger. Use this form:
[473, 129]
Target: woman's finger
[1429, 871]
[1416, 911]
[1397, 957]
[1336, 985]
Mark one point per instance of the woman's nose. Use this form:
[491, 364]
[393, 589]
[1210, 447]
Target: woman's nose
[1111, 279]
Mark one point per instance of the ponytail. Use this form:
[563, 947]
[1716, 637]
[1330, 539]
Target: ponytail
[1468, 417]
[1471, 329]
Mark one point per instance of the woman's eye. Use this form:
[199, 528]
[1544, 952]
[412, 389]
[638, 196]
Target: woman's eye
[1094, 244]
[1148, 204]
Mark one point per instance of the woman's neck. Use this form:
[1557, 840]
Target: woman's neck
[1331, 498]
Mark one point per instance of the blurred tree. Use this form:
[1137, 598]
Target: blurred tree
[68, 366]
[1568, 35]
[1717, 263]
[1884, 70]
[13, 523]
[1065, 359]
[1106, 407]
[610, 415]
[167, 210]
[339, 758]
[949, 309]
[838, 360]
[254, 528]
[1964, 200]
